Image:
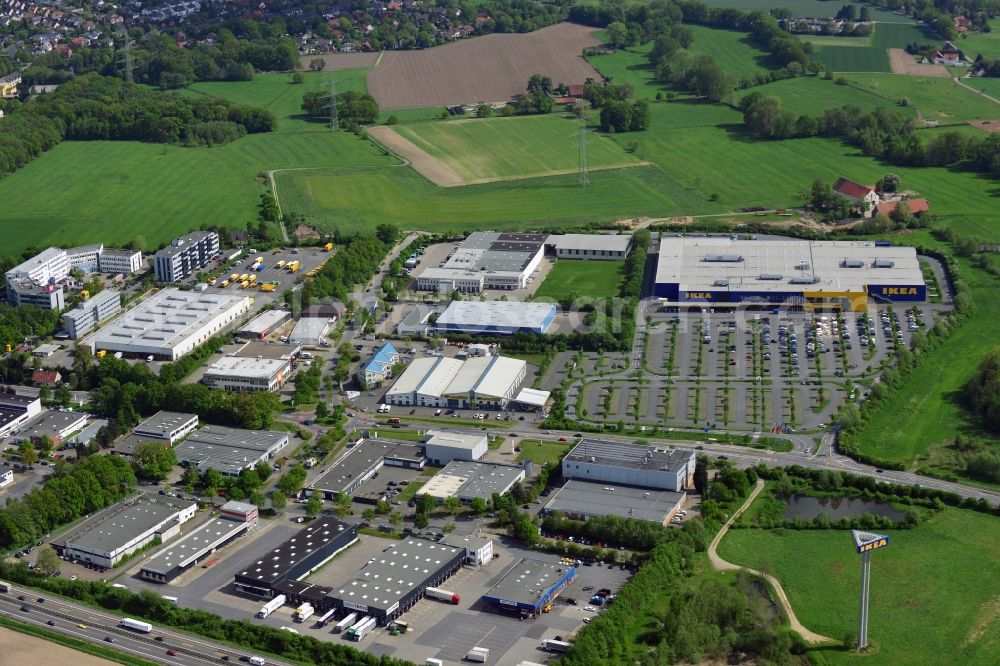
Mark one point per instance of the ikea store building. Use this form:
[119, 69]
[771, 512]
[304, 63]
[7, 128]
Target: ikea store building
[725, 271]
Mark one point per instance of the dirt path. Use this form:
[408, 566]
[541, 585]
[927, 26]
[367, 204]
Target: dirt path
[429, 167]
[722, 565]
[903, 63]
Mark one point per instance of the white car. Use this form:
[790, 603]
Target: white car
[590, 609]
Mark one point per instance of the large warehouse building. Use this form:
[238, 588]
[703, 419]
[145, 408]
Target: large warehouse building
[661, 467]
[484, 382]
[362, 463]
[528, 586]
[309, 549]
[236, 519]
[581, 500]
[170, 324]
[495, 318]
[441, 446]
[797, 273]
[229, 450]
[486, 260]
[468, 480]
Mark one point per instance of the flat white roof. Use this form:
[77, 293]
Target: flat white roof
[722, 263]
[613, 242]
[39, 259]
[436, 382]
[265, 321]
[499, 376]
[165, 422]
[496, 314]
[167, 318]
[455, 440]
[469, 375]
[530, 396]
[443, 486]
[246, 368]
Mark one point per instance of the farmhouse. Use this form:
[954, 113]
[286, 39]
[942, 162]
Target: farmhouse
[914, 206]
[794, 273]
[863, 195]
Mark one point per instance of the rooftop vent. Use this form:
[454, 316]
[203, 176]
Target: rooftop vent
[883, 263]
[721, 283]
[852, 263]
[769, 276]
[723, 258]
[804, 280]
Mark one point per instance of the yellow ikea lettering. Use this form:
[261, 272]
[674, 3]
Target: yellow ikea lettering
[899, 291]
[697, 294]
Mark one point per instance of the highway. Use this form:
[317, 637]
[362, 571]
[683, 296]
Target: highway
[91, 625]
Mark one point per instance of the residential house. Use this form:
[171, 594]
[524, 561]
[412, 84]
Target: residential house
[46, 378]
[863, 195]
[962, 24]
[915, 206]
[379, 367]
[9, 84]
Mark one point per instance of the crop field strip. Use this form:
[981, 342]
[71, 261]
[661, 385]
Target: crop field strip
[493, 68]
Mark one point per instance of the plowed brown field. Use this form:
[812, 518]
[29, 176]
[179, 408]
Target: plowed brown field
[338, 61]
[493, 68]
[903, 63]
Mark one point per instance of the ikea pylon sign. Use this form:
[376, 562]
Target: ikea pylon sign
[875, 542]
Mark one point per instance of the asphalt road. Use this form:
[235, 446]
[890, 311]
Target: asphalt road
[91, 625]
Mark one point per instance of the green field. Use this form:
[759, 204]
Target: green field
[491, 149]
[989, 86]
[982, 43]
[539, 452]
[812, 95]
[587, 279]
[816, 8]
[630, 66]
[936, 98]
[733, 51]
[934, 589]
[858, 56]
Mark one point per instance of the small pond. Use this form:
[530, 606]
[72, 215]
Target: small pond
[807, 507]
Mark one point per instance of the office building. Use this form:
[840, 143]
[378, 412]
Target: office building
[56, 425]
[478, 548]
[244, 375]
[379, 367]
[486, 260]
[86, 258]
[121, 262]
[185, 255]
[663, 467]
[16, 410]
[91, 313]
[170, 427]
[170, 324]
[47, 267]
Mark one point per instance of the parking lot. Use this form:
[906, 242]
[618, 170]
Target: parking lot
[308, 258]
[746, 370]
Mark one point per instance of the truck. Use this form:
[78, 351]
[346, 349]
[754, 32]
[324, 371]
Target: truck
[346, 623]
[361, 629]
[442, 595]
[280, 264]
[174, 600]
[271, 606]
[552, 645]
[326, 618]
[328, 247]
[478, 654]
[393, 421]
[225, 283]
[4, 587]
[304, 612]
[234, 277]
[244, 277]
[244, 284]
[257, 661]
[293, 267]
[136, 625]
[268, 287]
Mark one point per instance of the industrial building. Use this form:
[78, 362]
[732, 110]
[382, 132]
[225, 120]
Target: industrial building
[229, 450]
[478, 548]
[240, 374]
[486, 260]
[236, 519]
[365, 459]
[796, 273]
[379, 367]
[441, 447]
[91, 313]
[120, 534]
[468, 480]
[264, 324]
[581, 500]
[185, 255]
[394, 580]
[310, 331]
[528, 586]
[16, 410]
[56, 425]
[662, 467]
[590, 246]
[310, 548]
[532, 400]
[170, 427]
[487, 382]
[495, 318]
[268, 349]
[170, 324]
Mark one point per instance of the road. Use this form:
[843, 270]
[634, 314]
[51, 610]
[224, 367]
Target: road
[87, 624]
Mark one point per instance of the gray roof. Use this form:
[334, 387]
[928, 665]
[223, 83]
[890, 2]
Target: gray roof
[619, 454]
[479, 479]
[164, 422]
[588, 498]
[192, 546]
[53, 423]
[362, 458]
[614, 242]
[124, 526]
[228, 448]
[528, 580]
[302, 544]
[181, 243]
[395, 572]
[89, 432]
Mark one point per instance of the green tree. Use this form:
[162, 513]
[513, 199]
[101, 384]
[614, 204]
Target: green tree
[420, 521]
[278, 501]
[154, 461]
[258, 499]
[342, 505]
[453, 505]
[314, 506]
[426, 504]
[982, 392]
[478, 505]
[26, 451]
[298, 77]
[368, 515]
[47, 560]
[395, 519]
[483, 110]
[317, 64]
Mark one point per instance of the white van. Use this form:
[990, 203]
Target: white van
[258, 661]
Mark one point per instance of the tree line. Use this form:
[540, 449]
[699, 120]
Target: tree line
[73, 491]
[881, 133]
[353, 108]
[95, 107]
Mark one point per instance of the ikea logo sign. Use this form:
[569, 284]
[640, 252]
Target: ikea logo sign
[899, 291]
[704, 295]
[873, 545]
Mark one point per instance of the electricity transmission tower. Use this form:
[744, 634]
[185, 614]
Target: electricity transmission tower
[583, 171]
[331, 106]
[128, 63]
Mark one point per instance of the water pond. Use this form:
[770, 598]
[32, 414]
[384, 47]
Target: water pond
[806, 507]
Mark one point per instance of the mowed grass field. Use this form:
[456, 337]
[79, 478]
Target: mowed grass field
[811, 95]
[733, 51]
[936, 98]
[587, 279]
[116, 191]
[935, 590]
[853, 55]
[490, 149]
[630, 66]
[982, 43]
[815, 8]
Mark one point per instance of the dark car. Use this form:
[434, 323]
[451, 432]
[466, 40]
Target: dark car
[171, 652]
[51, 623]
[108, 639]
[40, 600]
[158, 638]
[24, 608]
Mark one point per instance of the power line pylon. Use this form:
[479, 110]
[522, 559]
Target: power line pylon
[331, 106]
[128, 63]
[583, 170]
